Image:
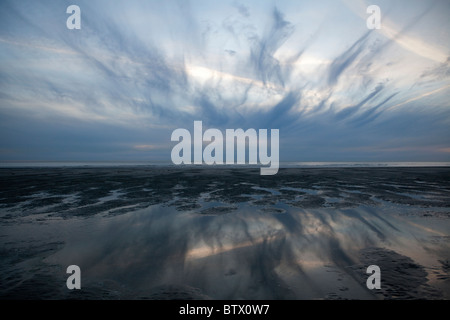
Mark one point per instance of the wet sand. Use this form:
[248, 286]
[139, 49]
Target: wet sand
[216, 233]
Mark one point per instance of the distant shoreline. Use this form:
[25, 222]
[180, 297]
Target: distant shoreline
[59, 164]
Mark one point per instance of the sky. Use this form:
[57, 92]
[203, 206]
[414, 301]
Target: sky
[115, 89]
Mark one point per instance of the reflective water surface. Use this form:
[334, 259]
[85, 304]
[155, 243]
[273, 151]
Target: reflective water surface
[165, 233]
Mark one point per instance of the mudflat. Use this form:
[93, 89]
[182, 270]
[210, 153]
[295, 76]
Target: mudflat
[225, 233]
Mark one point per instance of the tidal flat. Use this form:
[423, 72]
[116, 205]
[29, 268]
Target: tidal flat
[149, 232]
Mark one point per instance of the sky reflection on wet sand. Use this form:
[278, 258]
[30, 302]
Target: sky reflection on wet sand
[159, 233]
[247, 254]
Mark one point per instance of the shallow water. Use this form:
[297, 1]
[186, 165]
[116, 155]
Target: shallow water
[164, 233]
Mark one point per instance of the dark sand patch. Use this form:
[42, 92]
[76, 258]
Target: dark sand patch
[175, 292]
[401, 277]
[217, 210]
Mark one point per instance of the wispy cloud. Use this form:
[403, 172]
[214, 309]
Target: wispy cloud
[145, 68]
